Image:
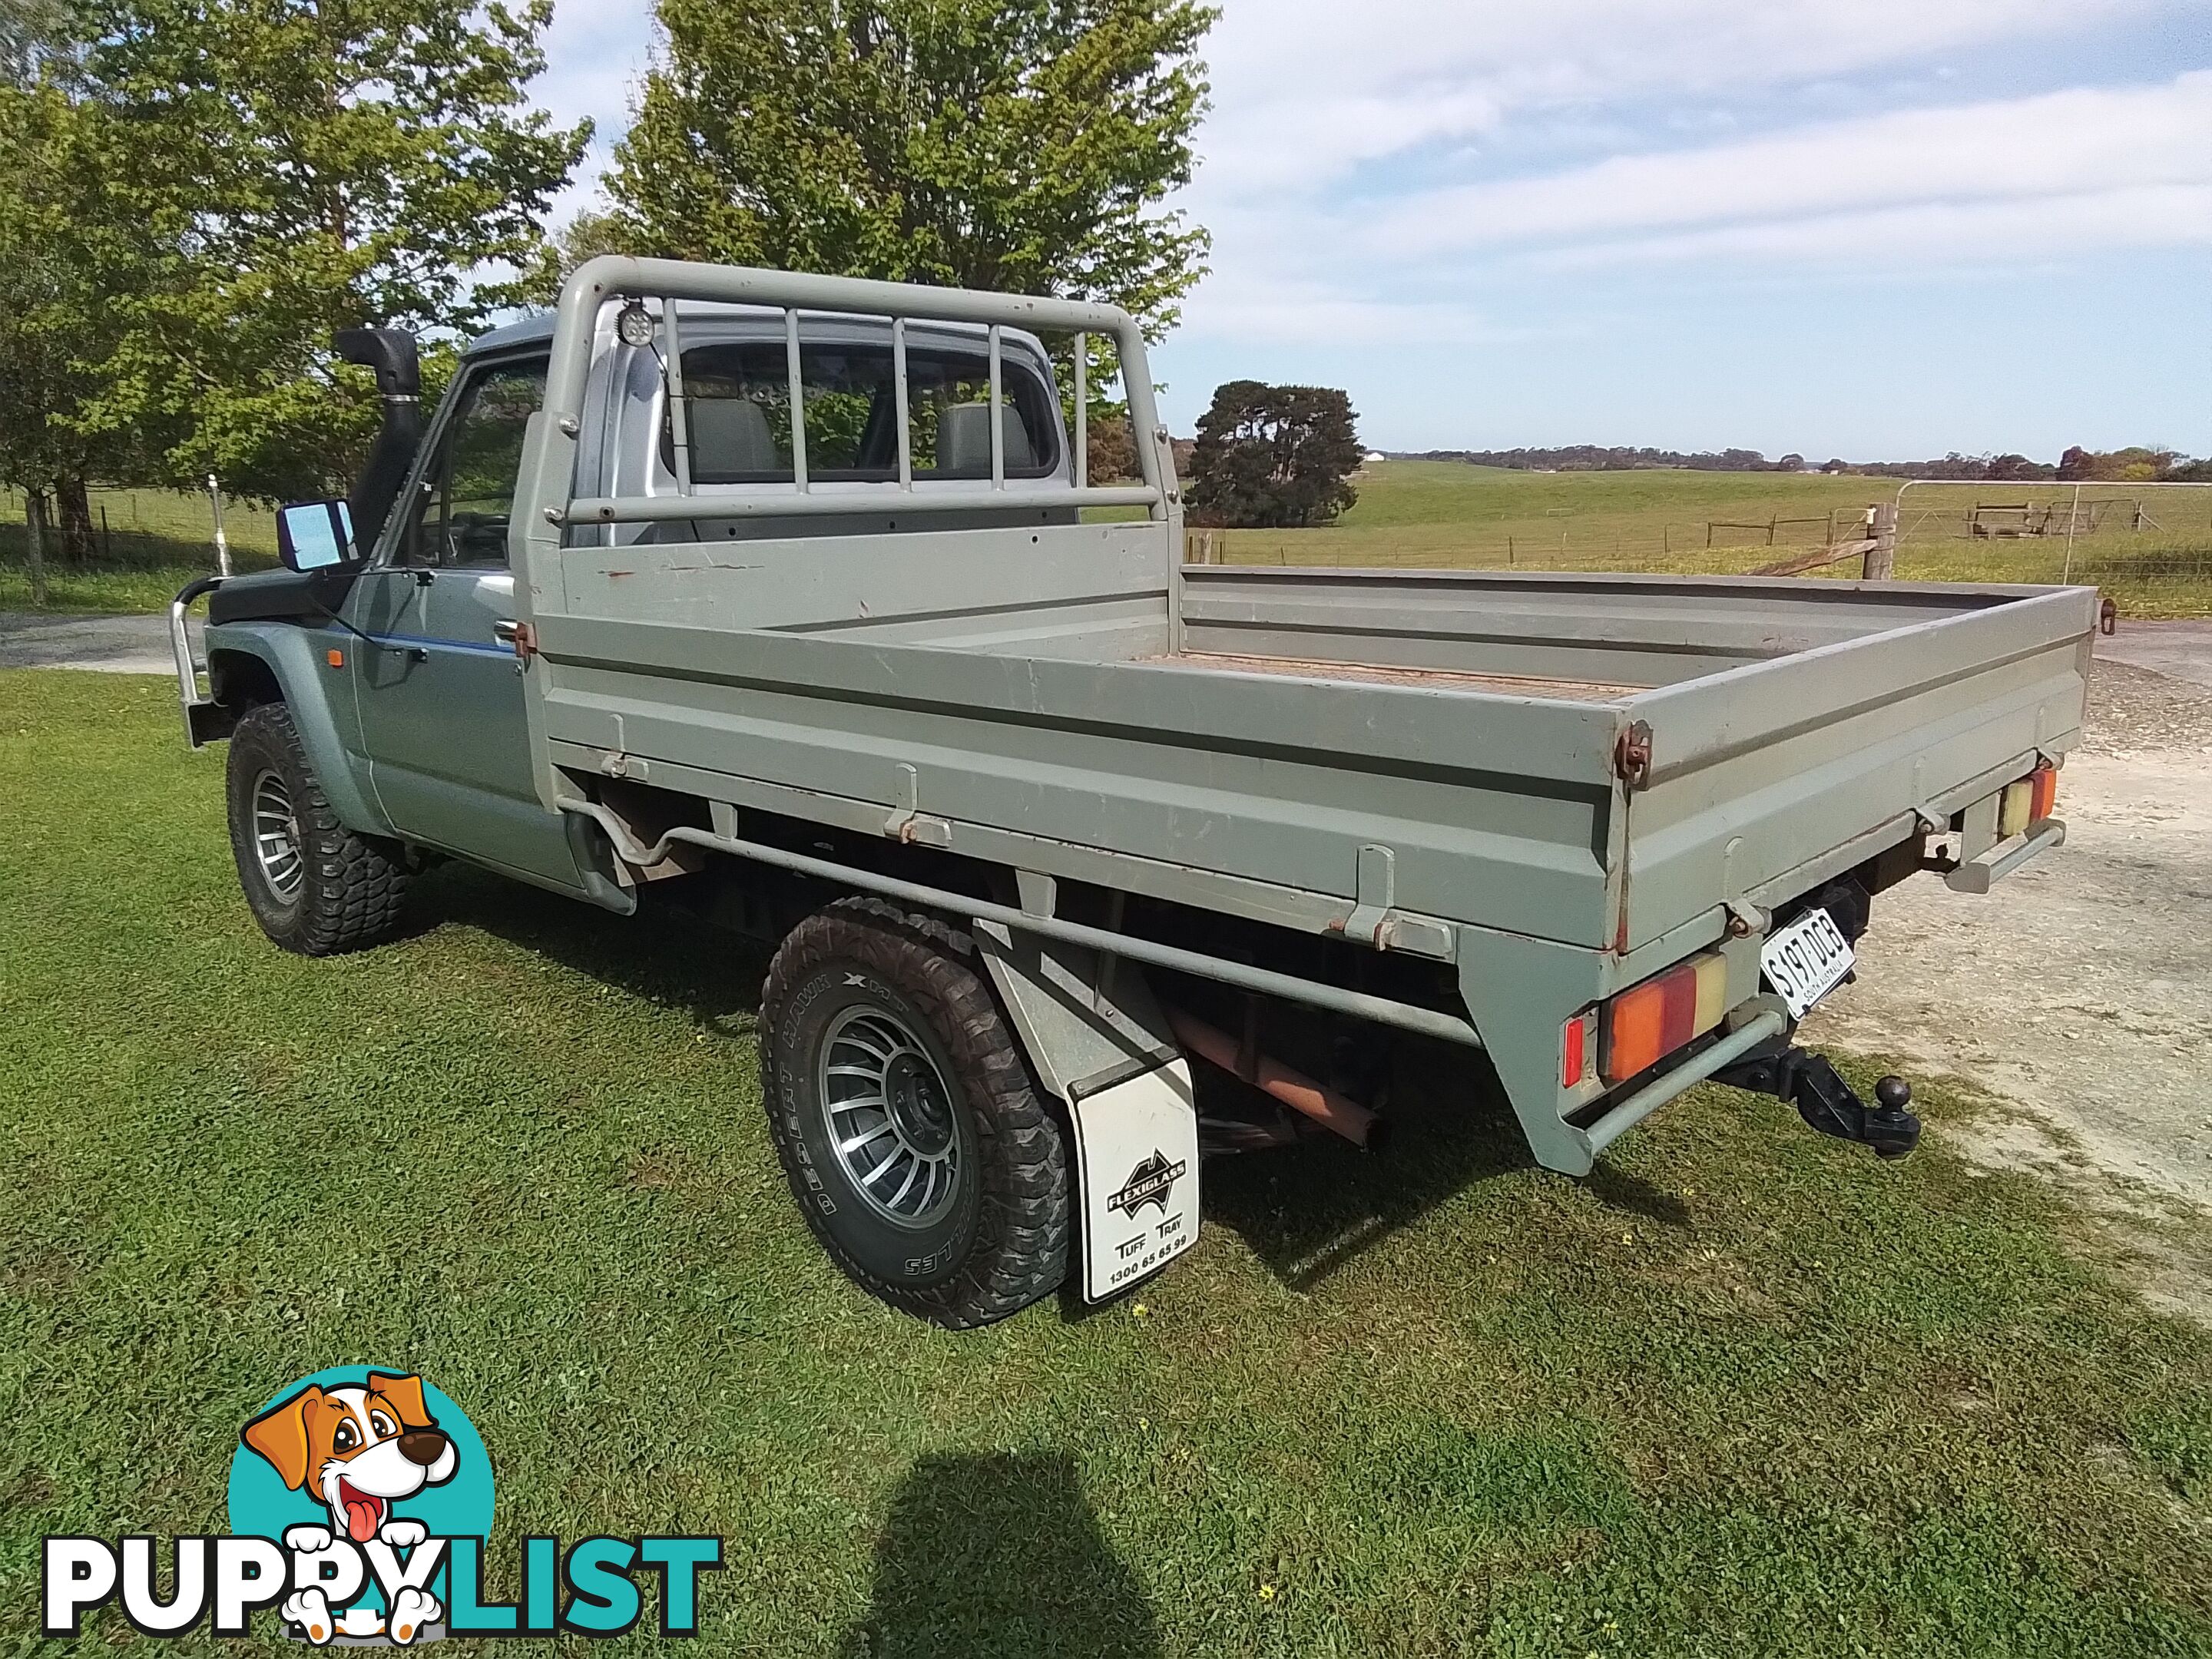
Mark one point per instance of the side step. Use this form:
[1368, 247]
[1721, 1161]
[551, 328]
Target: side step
[1828, 1103]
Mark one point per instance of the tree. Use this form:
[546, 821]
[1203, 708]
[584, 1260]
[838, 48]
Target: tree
[1273, 456]
[2137, 463]
[252, 175]
[1014, 144]
[1112, 453]
[32, 32]
[50, 320]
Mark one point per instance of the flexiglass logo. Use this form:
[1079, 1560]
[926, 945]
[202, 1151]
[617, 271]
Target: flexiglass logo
[360, 1501]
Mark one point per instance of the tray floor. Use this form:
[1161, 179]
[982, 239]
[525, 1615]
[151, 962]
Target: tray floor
[1509, 685]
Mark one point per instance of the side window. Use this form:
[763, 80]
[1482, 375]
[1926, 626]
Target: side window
[738, 402]
[468, 490]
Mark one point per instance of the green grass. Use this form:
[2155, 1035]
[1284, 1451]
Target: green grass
[1746, 1392]
[154, 542]
[1444, 513]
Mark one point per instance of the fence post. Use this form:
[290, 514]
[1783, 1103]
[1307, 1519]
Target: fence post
[34, 531]
[1881, 530]
[2073, 517]
[222, 541]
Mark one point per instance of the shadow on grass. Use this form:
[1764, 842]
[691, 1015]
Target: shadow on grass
[998, 1553]
[1308, 1210]
[1305, 1211]
[664, 953]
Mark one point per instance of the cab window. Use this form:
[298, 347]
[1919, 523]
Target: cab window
[468, 491]
[738, 405]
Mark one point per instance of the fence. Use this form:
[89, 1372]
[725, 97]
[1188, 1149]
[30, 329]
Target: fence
[2148, 546]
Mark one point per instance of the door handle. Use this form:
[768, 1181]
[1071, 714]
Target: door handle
[504, 631]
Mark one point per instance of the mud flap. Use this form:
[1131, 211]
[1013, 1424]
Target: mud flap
[1136, 1155]
[1099, 1042]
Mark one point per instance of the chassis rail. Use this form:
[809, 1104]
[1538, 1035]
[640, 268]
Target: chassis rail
[1765, 1022]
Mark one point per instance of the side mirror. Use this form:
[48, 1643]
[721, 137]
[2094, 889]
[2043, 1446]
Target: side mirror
[315, 536]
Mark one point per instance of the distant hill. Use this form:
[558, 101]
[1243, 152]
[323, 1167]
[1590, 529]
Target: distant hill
[2138, 465]
[1596, 457]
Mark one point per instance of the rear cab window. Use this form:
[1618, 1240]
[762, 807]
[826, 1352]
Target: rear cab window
[738, 412]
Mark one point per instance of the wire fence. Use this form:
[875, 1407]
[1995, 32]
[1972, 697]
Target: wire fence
[2148, 546]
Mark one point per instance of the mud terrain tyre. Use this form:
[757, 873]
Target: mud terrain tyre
[314, 885]
[915, 1142]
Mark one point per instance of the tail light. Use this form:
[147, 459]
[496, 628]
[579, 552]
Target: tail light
[2042, 793]
[2027, 801]
[1578, 1049]
[1646, 1023]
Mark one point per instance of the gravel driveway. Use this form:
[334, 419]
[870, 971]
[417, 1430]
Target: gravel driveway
[2080, 991]
[113, 644]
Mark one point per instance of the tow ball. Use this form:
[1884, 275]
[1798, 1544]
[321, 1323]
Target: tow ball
[1828, 1103]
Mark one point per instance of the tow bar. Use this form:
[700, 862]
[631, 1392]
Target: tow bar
[1828, 1103]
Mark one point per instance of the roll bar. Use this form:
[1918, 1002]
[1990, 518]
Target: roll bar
[548, 461]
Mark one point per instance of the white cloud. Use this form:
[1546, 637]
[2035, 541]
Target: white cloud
[2082, 143]
[1308, 90]
[1934, 235]
[1366, 167]
[1243, 311]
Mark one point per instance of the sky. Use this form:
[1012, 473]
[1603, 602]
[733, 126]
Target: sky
[1880, 229]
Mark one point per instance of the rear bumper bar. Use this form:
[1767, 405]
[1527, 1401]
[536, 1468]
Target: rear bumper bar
[1977, 875]
[1764, 1026]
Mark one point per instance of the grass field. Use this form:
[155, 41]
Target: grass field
[1745, 1392]
[1416, 514]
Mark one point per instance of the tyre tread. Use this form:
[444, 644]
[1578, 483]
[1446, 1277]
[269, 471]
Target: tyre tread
[356, 883]
[1021, 1247]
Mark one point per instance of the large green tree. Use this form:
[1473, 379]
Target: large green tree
[251, 175]
[52, 322]
[1026, 145]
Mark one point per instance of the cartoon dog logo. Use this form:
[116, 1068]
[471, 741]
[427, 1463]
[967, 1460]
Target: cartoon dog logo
[360, 1449]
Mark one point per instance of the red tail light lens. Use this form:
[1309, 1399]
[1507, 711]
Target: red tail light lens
[2042, 793]
[1577, 1047]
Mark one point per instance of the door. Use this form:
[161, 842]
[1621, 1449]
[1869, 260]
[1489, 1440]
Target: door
[442, 696]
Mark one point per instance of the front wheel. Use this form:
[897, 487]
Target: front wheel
[314, 885]
[905, 1118]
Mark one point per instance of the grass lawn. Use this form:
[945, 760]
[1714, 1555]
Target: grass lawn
[156, 540]
[1746, 1392]
[1430, 513]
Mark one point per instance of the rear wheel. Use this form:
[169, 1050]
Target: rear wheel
[314, 885]
[905, 1118]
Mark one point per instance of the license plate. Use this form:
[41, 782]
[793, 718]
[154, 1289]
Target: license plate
[1806, 960]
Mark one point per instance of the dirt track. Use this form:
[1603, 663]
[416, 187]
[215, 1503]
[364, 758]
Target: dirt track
[2079, 993]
